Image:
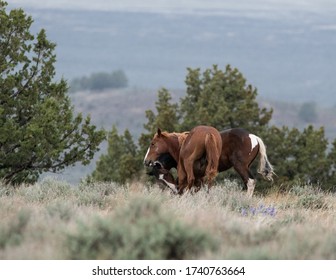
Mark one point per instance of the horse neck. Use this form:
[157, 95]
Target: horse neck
[175, 141]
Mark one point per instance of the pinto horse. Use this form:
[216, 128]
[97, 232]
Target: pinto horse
[239, 149]
[187, 149]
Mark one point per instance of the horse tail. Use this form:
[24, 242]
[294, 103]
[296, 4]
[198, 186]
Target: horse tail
[265, 167]
[212, 155]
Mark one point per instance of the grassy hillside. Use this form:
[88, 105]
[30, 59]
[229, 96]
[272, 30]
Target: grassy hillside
[54, 220]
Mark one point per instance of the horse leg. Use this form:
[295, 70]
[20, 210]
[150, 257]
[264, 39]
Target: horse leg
[189, 168]
[203, 183]
[210, 182]
[247, 177]
[182, 183]
[198, 184]
[182, 177]
[208, 179]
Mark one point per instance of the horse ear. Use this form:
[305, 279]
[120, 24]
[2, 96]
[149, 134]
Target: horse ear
[159, 132]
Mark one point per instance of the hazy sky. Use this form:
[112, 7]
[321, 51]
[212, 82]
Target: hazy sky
[260, 7]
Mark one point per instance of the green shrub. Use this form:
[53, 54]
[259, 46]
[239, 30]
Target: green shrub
[46, 190]
[289, 219]
[139, 231]
[60, 209]
[312, 201]
[12, 233]
[89, 194]
[309, 197]
[300, 190]
[6, 190]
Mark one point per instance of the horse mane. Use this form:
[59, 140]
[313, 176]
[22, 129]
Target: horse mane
[181, 136]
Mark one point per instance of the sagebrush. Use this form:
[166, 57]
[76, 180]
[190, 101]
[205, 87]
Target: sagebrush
[55, 220]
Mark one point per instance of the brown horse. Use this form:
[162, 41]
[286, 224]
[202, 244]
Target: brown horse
[187, 149]
[239, 150]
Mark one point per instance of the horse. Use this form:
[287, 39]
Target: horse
[187, 149]
[239, 149]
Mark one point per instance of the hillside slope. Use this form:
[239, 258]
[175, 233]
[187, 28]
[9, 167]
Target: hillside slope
[288, 57]
[126, 109]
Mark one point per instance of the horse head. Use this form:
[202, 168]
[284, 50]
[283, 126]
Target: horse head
[158, 146]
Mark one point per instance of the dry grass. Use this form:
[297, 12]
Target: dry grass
[53, 220]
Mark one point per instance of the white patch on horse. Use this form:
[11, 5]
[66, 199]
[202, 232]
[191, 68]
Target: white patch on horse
[170, 185]
[254, 141]
[146, 155]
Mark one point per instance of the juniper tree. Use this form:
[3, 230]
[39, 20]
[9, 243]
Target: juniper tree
[38, 128]
[121, 163]
[166, 118]
[300, 155]
[221, 99]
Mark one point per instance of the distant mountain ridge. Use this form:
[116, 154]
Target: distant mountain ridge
[287, 60]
